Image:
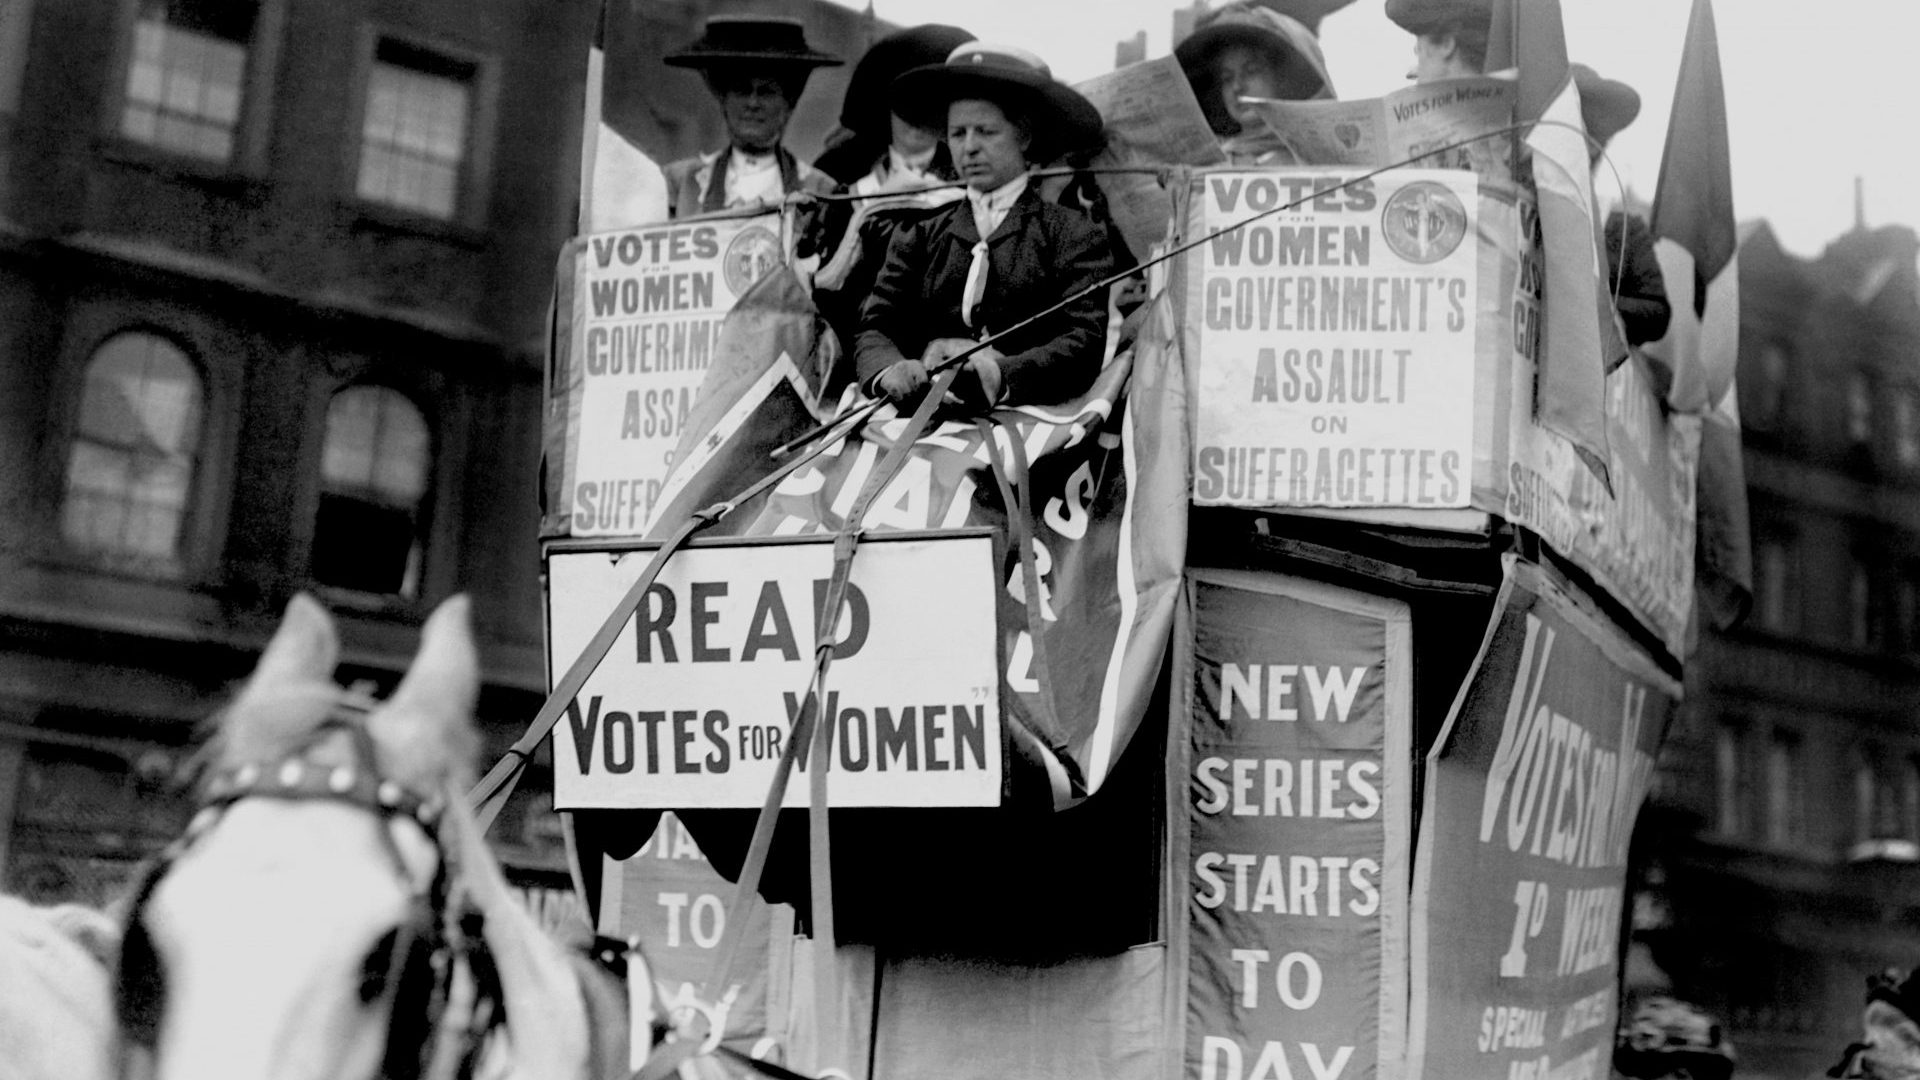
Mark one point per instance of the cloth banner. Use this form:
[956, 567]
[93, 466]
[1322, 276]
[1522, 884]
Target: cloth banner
[670, 898]
[1101, 496]
[1299, 713]
[1531, 794]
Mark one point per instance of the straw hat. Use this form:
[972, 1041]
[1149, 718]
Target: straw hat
[1060, 119]
[730, 40]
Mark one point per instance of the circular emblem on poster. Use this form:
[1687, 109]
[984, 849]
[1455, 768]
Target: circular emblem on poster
[754, 251]
[1424, 222]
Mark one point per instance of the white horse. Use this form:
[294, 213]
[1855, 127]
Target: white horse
[317, 919]
[56, 992]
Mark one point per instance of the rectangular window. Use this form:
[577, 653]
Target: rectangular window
[1786, 790]
[1730, 816]
[414, 140]
[1906, 428]
[1862, 625]
[1859, 409]
[185, 75]
[1772, 587]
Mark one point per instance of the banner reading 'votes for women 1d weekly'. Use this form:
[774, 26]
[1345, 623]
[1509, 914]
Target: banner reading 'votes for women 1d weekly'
[640, 313]
[1519, 883]
[1299, 795]
[1336, 341]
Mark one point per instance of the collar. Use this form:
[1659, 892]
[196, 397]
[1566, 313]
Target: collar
[745, 161]
[912, 164]
[990, 207]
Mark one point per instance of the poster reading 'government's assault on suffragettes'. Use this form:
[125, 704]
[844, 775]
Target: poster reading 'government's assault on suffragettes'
[695, 701]
[1531, 795]
[1336, 341]
[1298, 780]
[643, 309]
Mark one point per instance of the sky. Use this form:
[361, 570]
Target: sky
[1817, 93]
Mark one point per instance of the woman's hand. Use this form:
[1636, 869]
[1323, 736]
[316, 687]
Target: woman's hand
[904, 383]
[980, 383]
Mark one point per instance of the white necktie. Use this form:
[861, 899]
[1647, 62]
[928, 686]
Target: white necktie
[976, 283]
[989, 210]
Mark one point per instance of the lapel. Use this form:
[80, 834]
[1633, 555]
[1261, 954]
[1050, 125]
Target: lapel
[960, 225]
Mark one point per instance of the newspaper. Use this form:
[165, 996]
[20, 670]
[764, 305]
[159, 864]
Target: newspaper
[1412, 123]
[1152, 119]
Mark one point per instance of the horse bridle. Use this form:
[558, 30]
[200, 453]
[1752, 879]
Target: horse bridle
[428, 941]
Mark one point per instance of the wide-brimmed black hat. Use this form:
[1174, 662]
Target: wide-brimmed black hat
[1439, 16]
[1606, 105]
[866, 107]
[1060, 119]
[1303, 68]
[733, 39]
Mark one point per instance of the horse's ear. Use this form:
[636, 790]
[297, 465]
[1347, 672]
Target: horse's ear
[426, 726]
[304, 649]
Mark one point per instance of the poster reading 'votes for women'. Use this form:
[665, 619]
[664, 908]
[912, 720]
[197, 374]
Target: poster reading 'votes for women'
[1531, 795]
[1298, 806]
[1336, 341]
[694, 703]
[643, 309]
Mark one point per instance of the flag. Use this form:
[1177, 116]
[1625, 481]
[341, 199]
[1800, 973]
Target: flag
[620, 186]
[1580, 342]
[1698, 248]
[1697, 233]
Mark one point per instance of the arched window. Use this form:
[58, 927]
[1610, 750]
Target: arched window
[373, 493]
[136, 443]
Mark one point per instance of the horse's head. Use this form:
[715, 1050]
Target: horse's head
[298, 929]
[1889, 1046]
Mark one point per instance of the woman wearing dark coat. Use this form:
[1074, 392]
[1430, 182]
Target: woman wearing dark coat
[1607, 106]
[944, 287]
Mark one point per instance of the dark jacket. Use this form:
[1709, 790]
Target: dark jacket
[1643, 291]
[1041, 254]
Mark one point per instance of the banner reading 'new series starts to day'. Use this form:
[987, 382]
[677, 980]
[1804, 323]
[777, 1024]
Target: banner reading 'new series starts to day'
[1299, 784]
[639, 312]
[1336, 341]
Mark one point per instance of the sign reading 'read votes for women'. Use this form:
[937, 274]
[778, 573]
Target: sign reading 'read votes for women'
[692, 705]
[1531, 795]
[1299, 781]
[1336, 341]
[643, 309]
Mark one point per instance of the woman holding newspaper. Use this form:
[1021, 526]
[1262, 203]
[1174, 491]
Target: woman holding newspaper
[1246, 50]
[1002, 253]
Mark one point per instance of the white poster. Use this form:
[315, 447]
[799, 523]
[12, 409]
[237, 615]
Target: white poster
[645, 308]
[693, 704]
[1336, 341]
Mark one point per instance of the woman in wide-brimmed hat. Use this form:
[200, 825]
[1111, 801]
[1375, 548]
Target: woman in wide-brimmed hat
[1607, 106]
[756, 68]
[1003, 253]
[1246, 49]
[1449, 36]
[876, 147]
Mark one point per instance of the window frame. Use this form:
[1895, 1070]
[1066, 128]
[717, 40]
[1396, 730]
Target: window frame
[473, 188]
[252, 130]
[426, 524]
[218, 360]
